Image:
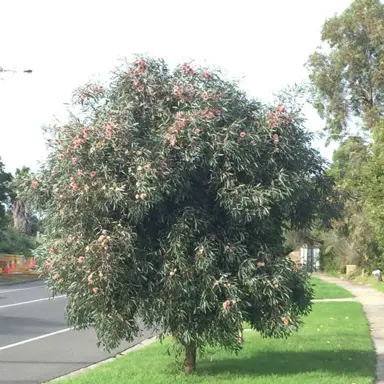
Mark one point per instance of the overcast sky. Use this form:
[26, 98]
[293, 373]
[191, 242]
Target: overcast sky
[67, 43]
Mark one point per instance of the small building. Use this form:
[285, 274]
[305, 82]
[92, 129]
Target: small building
[307, 256]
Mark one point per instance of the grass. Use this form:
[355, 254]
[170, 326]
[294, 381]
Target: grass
[333, 347]
[325, 290]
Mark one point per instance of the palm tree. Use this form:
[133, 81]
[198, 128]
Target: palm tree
[22, 218]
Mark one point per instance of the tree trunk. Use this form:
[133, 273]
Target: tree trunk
[190, 359]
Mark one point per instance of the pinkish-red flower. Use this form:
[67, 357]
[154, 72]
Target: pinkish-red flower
[74, 160]
[74, 186]
[197, 130]
[243, 134]
[81, 259]
[56, 277]
[51, 251]
[92, 174]
[227, 305]
[61, 156]
[35, 183]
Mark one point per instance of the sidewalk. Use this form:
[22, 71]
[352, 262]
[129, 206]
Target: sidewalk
[373, 305]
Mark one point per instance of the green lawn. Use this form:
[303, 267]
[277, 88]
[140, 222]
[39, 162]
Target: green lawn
[324, 290]
[333, 347]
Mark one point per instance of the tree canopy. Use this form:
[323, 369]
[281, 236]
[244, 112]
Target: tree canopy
[347, 73]
[166, 199]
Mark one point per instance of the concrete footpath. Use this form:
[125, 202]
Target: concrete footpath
[373, 305]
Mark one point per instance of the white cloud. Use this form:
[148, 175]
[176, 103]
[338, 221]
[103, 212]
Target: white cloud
[68, 42]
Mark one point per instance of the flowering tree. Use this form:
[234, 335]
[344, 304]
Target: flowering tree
[165, 199]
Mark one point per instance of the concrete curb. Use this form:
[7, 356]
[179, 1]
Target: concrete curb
[109, 360]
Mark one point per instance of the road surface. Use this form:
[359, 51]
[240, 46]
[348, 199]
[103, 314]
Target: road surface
[36, 344]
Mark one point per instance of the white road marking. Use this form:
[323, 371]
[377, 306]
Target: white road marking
[34, 339]
[21, 289]
[31, 301]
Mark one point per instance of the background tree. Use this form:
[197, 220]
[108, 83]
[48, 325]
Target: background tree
[374, 191]
[5, 179]
[166, 198]
[353, 237]
[348, 73]
[24, 221]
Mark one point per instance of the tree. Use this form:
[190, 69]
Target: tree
[353, 238]
[348, 76]
[5, 179]
[166, 198]
[374, 191]
[24, 221]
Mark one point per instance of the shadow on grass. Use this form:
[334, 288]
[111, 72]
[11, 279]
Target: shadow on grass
[361, 363]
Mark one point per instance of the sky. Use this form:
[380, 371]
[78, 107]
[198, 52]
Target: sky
[67, 43]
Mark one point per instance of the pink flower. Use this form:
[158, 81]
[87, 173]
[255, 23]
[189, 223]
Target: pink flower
[74, 186]
[61, 156]
[79, 172]
[141, 63]
[261, 264]
[164, 164]
[94, 290]
[285, 320]
[92, 174]
[59, 141]
[243, 134]
[35, 183]
[227, 305]
[198, 130]
[74, 160]
[86, 187]
[140, 88]
[53, 171]
[206, 75]
[56, 277]
[51, 251]
[147, 167]
[81, 259]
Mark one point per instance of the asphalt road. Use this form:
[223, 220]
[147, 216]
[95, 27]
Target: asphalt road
[36, 344]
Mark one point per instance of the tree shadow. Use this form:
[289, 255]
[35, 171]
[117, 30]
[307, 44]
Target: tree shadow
[354, 362]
